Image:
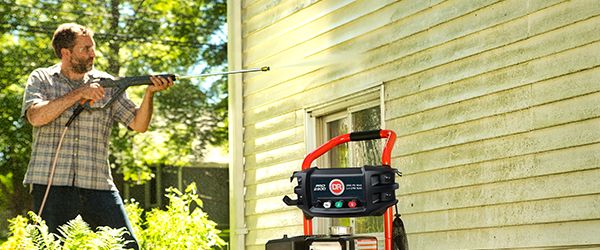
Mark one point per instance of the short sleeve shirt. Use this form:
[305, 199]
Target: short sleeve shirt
[83, 156]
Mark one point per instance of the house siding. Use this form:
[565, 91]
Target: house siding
[495, 104]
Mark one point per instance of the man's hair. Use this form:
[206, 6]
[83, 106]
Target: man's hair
[65, 35]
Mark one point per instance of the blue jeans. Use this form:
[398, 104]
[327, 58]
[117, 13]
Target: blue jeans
[96, 207]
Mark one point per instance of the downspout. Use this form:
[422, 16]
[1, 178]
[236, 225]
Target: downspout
[237, 225]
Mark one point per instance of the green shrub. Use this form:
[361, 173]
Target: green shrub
[76, 234]
[176, 228]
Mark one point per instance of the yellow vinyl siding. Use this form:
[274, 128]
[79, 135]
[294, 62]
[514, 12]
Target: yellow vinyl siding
[495, 103]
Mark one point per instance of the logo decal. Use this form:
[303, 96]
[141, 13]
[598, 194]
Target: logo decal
[336, 186]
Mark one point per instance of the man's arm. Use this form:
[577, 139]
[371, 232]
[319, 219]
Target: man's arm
[42, 113]
[143, 115]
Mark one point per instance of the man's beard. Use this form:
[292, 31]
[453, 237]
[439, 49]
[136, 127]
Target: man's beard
[82, 66]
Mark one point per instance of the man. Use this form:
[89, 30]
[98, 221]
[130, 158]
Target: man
[82, 183]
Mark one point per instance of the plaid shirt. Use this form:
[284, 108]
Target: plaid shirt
[83, 157]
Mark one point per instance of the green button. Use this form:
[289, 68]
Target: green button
[339, 204]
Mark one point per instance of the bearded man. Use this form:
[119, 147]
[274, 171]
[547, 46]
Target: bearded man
[82, 183]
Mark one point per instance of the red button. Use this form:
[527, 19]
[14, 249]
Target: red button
[352, 204]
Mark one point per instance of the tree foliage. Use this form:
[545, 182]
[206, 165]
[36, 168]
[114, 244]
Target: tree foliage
[133, 37]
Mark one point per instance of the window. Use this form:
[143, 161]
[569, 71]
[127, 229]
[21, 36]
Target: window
[361, 112]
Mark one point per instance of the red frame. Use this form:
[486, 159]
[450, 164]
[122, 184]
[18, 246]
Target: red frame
[388, 217]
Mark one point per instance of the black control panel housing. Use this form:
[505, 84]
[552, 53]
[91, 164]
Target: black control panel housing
[345, 192]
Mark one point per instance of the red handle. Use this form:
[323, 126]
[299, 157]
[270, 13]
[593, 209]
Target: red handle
[86, 100]
[385, 159]
[356, 136]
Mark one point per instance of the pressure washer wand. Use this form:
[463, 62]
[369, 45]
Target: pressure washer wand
[122, 83]
[266, 68]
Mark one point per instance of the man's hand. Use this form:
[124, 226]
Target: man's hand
[93, 92]
[41, 113]
[159, 84]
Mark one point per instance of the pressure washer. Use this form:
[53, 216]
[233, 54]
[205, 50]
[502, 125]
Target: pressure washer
[346, 192]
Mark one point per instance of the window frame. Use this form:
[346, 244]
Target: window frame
[316, 117]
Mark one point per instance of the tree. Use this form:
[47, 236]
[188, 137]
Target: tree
[15, 139]
[132, 38]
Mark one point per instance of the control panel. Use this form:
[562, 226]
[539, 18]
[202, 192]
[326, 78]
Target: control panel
[344, 192]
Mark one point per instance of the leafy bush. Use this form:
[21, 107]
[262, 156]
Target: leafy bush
[17, 228]
[76, 234]
[177, 228]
